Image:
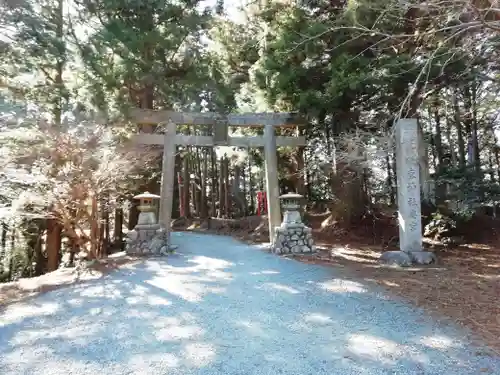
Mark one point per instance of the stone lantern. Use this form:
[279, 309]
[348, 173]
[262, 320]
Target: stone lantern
[292, 236]
[291, 204]
[147, 237]
[147, 209]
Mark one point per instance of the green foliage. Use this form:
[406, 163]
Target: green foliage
[440, 226]
[146, 54]
[469, 189]
[37, 54]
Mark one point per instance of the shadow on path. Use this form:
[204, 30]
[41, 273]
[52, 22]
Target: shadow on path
[222, 307]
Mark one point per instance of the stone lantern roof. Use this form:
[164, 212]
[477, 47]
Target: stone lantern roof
[291, 196]
[147, 195]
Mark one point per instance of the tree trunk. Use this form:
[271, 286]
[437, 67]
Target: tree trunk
[435, 163]
[423, 161]
[185, 189]
[438, 140]
[104, 226]
[145, 100]
[3, 241]
[251, 190]
[133, 214]
[177, 195]
[468, 126]
[238, 195]
[198, 183]
[347, 188]
[213, 193]
[221, 188]
[491, 164]
[227, 191]
[194, 197]
[204, 178]
[182, 210]
[74, 247]
[11, 255]
[244, 192]
[394, 172]
[118, 228]
[94, 229]
[59, 83]
[40, 261]
[390, 186]
[460, 134]
[440, 194]
[453, 154]
[497, 159]
[53, 244]
[300, 186]
[474, 131]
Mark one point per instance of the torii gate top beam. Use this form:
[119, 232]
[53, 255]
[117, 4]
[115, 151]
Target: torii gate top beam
[209, 141]
[148, 116]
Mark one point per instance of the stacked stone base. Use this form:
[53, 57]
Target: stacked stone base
[147, 240]
[293, 239]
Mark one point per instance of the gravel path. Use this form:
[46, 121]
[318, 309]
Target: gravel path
[220, 307]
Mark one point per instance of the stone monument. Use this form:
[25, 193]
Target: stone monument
[408, 187]
[147, 238]
[292, 236]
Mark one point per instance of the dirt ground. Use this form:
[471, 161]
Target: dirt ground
[463, 286]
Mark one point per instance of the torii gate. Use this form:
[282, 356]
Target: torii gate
[170, 139]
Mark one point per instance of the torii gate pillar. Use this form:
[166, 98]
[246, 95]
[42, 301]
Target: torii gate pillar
[272, 186]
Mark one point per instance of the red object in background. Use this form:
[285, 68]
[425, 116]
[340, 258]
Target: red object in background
[261, 203]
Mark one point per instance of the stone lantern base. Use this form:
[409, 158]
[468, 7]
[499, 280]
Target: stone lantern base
[147, 240]
[293, 238]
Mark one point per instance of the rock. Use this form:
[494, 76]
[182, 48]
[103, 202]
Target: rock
[180, 222]
[422, 257]
[399, 258]
[132, 235]
[145, 240]
[156, 244]
[293, 238]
